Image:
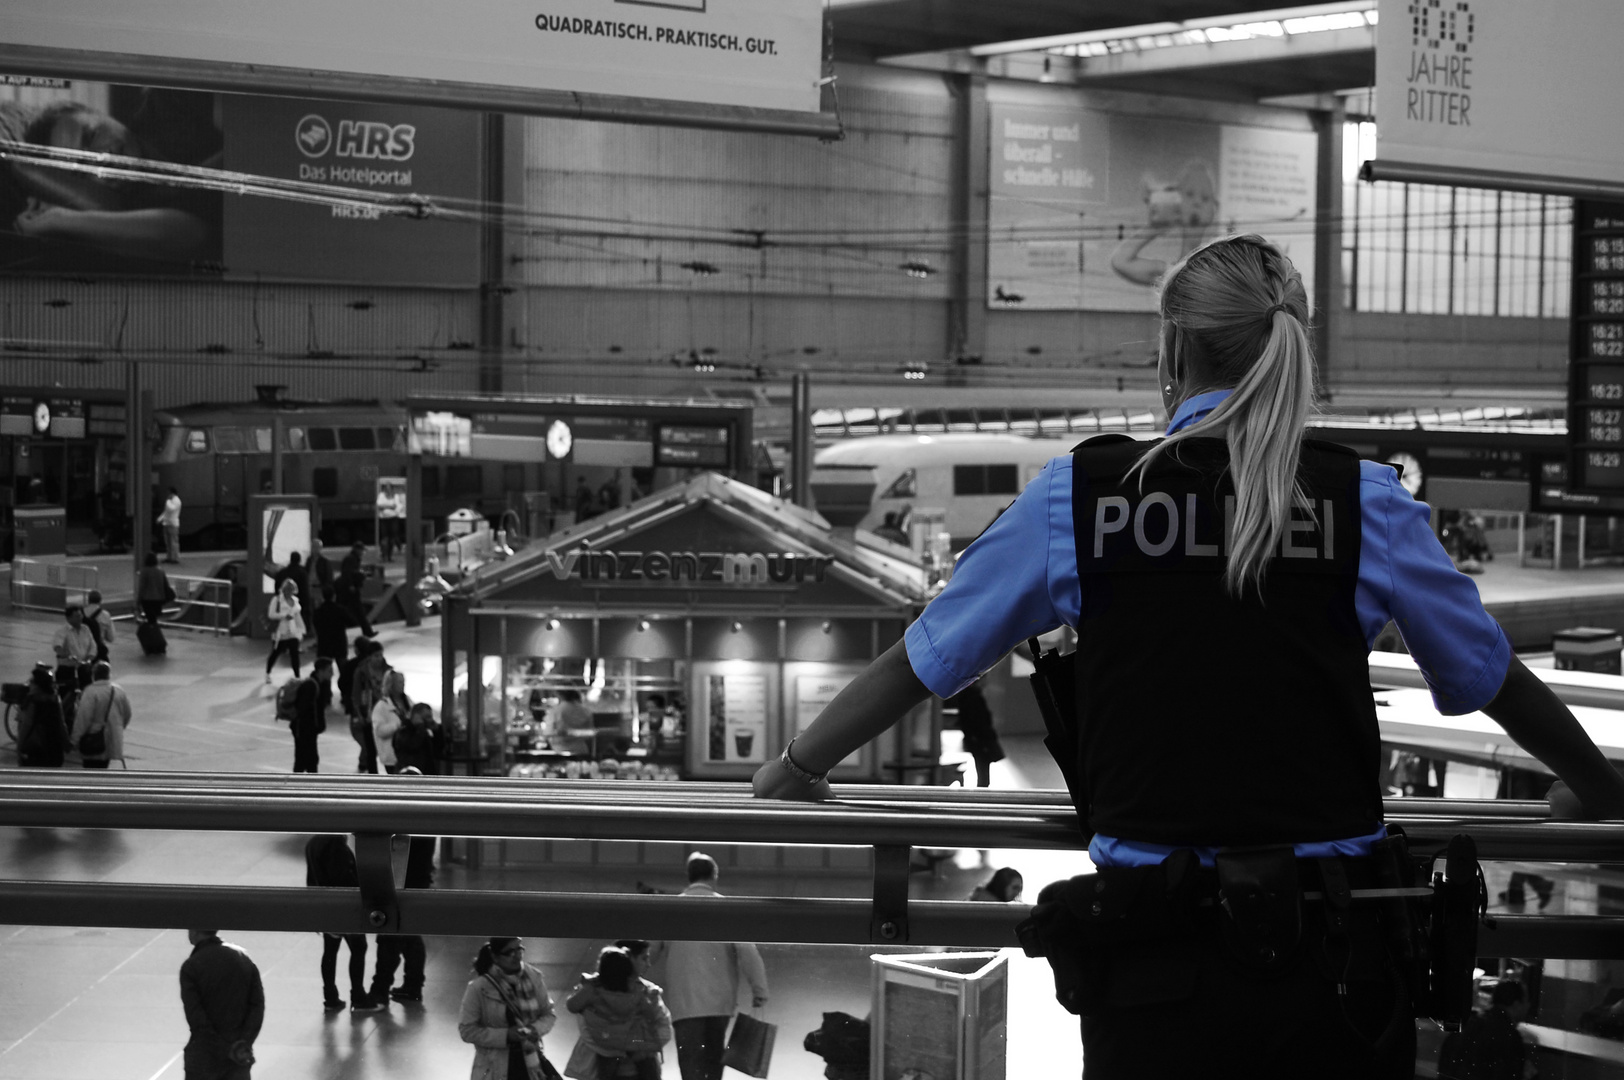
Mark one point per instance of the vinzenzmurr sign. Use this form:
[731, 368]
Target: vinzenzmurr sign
[764, 54]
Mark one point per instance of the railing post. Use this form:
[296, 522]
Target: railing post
[375, 868]
[889, 923]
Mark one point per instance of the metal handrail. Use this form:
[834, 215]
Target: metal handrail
[889, 820]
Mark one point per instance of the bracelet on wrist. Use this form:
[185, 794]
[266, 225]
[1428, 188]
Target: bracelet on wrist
[789, 766]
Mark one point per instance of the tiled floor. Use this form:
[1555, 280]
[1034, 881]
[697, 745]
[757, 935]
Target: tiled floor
[103, 1004]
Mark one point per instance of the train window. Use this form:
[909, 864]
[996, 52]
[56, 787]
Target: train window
[355, 438]
[464, 481]
[986, 480]
[431, 482]
[905, 486]
[197, 441]
[325, 481]
[262, 440]
[1003, 480]
[228, 440]
[296, 439]
[322, 438]
[390, 438]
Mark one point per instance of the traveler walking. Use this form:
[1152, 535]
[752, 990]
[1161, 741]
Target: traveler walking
[287, 627]
[99, 720]
[702, 980]
[153, 590]
[99, 622]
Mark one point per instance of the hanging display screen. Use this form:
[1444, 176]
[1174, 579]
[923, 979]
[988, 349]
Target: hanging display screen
[1596, 354]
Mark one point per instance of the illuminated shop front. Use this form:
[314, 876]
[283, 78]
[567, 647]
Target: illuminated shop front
[690, 634]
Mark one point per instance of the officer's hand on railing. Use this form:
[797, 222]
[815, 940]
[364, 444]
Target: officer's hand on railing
[1566, 806]
[773, 781]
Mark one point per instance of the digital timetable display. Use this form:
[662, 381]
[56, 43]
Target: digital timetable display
[1596, 352]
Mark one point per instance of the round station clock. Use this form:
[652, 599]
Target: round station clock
[559, 439]
[42, 417]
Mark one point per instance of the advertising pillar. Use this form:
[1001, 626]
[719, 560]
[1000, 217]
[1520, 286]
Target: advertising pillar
[278, 526]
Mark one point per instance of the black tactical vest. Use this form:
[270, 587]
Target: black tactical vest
[1205, 718]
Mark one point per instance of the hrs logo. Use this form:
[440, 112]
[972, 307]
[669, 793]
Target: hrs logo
[364, 139]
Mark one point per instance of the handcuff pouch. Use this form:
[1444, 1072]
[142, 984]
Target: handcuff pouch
[1260, 903]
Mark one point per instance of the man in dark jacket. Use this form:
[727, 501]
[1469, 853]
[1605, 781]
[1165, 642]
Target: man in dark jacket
[332, 622]
[310, 715]
[329, 863]
[225, 1006]
[393, 948]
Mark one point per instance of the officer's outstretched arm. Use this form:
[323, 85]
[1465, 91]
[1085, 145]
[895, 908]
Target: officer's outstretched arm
[868, 705]
[1543, 726]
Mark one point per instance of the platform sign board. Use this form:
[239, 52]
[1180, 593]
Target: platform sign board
[740, 53]
[1596, 350]
[1502, 86]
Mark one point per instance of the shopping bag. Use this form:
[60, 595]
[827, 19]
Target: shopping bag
[750, 1045]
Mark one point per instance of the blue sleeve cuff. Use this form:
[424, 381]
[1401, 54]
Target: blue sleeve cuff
[1482, 690]
[928, 666]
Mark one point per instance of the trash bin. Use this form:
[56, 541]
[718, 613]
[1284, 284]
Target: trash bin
[40, 530]
[1589, 648]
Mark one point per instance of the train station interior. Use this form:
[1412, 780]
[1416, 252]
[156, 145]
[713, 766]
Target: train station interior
[636, 374]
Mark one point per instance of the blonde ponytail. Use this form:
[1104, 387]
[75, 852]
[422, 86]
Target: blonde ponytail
[1235, 315]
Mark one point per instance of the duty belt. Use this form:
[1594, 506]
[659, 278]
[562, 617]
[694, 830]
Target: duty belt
[1126, 935]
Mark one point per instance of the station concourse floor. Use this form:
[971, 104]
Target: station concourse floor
[103, 1004]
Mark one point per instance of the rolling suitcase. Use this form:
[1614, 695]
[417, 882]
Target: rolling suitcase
[151, 637]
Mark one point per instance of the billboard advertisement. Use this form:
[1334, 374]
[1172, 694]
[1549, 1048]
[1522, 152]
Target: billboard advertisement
[54, 220]
[1087, 209]
[1502, 86]
[393, 149]
[714, 52]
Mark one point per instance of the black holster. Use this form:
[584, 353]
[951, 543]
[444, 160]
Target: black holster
[1120, 936]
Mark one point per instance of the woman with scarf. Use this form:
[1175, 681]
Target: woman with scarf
[505, 1012]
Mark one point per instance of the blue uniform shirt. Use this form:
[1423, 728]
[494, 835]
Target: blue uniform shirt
[1008, 587]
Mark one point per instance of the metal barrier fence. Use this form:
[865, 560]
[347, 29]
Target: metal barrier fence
[201, 603]
[50, 586]
[888, 820]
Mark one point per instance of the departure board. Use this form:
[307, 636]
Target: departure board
[1596, 351]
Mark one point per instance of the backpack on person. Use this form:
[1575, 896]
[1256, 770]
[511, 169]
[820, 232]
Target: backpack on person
[287, 700]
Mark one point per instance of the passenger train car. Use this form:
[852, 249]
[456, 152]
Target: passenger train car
[968, 478]
[216, 456]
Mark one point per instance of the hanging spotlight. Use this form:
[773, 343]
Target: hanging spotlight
[701, 268]
[917, 268]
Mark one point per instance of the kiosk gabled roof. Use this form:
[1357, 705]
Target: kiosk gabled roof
[893, 581]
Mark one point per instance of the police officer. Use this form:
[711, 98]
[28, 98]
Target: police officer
[1226, 584]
